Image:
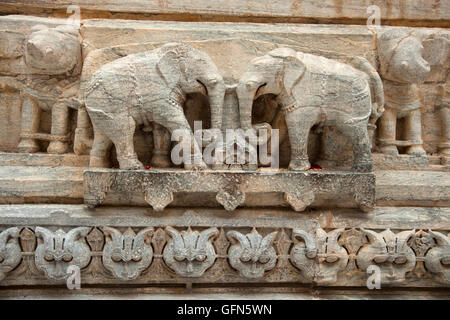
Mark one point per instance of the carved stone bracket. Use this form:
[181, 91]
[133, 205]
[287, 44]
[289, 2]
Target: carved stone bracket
[160, 186]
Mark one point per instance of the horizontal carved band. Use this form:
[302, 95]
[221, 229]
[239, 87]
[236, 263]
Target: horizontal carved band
[105, 255]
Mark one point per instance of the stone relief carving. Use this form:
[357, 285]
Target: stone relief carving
[190, 253]
[437, 259]
[10, 252]
[336, 94]
[149, 87]
[332, 257]
[390, 252]
[251, 254]
[323, 258]
[58, 250]
[127, 255]
[402, 67]
[303, 254]
[53, 58]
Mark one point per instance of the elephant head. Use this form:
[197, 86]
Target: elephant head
[185, 68]
[277, 72]
[401, 57]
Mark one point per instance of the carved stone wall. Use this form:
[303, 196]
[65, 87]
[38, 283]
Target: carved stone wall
[88, 178]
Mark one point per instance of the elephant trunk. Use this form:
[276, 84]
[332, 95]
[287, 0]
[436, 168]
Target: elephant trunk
[216, 99]
[245, 97]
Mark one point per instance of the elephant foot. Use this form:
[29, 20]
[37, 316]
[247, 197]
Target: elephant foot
[81, 142]
[363, 166]
[58, 147]
[299, 165]
[28, 146]
[160, 161]
[131, 165]
[390, 150]
[416, 151]
[196, 166]
[98, 162]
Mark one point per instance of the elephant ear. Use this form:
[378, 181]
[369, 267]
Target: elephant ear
[293, 67]
[168, 68]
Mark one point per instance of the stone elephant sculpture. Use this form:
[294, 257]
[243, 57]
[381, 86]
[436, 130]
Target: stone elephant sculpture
[315, 90]
[149, 87]
[53, 61]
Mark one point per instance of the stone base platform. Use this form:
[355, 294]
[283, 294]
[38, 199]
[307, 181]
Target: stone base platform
[298, 189]
[43, 159]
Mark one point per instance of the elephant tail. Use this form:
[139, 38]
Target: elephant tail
[376, 85]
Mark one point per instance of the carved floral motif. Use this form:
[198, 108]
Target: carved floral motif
[58, 250]
[127, 255]
[390, 252]
[190, 253]
[251, 254]
[10, 253]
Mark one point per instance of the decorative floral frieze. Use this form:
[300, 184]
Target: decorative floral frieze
[390, 252]
[58, 250]
[190, 253]
[10, 253]
[251, 254]
[437, 259]
[127, 255]
[336, 257]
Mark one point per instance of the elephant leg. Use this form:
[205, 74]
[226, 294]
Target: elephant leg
[60, 128]
[299, 123]
[82, 140]
[413, 132]
[387, 132]
[359, 137]
[30, 124]
[161, 138]
[122, 135]
[172, 117]
[100, 150]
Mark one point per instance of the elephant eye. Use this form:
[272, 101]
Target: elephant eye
[1, 259]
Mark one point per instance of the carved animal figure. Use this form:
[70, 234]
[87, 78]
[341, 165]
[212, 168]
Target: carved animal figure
[251, 254]
[314, 90]
[190, 253]
[149, 87]
[54, 53]
[402, 67]
[127, 255]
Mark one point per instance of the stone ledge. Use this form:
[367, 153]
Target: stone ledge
[416, 12]
[299, 188]
[20, 184]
